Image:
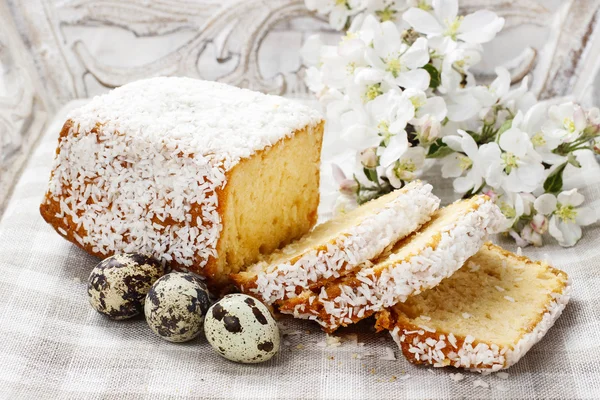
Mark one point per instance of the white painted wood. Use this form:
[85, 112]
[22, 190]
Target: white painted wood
[54, 51]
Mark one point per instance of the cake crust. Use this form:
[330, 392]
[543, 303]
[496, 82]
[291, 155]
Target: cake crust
[146, 168]
[421, 344]
[345, 252]
[392, 279]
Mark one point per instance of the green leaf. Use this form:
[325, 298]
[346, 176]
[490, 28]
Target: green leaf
[371, 174]
[554, 181]
[439, 149]
[573, 160]
[434, 74]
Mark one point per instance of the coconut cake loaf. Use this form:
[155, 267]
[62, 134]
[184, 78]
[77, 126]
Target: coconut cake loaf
[200, 174]
[484, 317]
[339, 245]
[415, 264]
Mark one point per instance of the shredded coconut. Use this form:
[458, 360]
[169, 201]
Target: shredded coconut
[459, 241]
[352, 247]
[389, 354]
[457, 377]
[139, 161]
[481, 383]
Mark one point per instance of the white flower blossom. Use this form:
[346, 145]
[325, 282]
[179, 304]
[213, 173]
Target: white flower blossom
[407, 166]
[398, 63]
[521, 168]
[338, 10]
[566, 121]
[567, 217]
[476, 161]
[444, 21]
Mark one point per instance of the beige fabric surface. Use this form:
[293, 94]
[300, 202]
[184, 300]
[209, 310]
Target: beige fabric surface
[53, 345]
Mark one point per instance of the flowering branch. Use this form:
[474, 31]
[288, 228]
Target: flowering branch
[398, 90]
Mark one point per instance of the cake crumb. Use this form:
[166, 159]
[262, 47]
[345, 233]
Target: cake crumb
[389, 354]
[300, 347]
[331, 358]
[373, 371]
[481, 383]
[393, 378]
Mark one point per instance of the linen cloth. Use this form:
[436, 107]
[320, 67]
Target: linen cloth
[54, 345]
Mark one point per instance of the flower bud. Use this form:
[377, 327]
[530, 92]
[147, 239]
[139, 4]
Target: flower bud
[593, 116]
[539, 223]
[430, 131]
[368, 158]
[531, 236]
[597, 146]
[491, 194]
[348, 187]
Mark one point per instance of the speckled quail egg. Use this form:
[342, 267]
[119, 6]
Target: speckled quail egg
[118, 285]
[241, 329]
[176, 305]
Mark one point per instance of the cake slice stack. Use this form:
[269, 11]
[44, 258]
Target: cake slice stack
[484, 317]
[339, 246]
[414, 264]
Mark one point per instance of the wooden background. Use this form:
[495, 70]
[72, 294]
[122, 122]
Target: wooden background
[55, 51]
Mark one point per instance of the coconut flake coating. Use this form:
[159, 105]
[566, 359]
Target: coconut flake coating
[352, 248]
[242, 329]
[424, 270]
[138, 169]
[440, 350]
[176, 305]
[118, 285]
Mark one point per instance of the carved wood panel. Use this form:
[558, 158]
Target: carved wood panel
[53, 51]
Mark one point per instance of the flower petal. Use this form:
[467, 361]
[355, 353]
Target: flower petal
[480, 27]
[338, 174]
[453, 141]
[571, 197]
[422, 21]
[417, 55]
[395, 149]
[337, 18]
[435, 107]
[415, 79]
[586, 216]
[501, 84]
[451, 166]
[530, 177]
[515, 141]
[571, 233]
[445, 9]
[545, 204]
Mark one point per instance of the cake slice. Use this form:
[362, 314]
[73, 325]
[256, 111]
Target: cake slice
[414, 264]
[199, 174]
[484, 317]
[339, 245]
